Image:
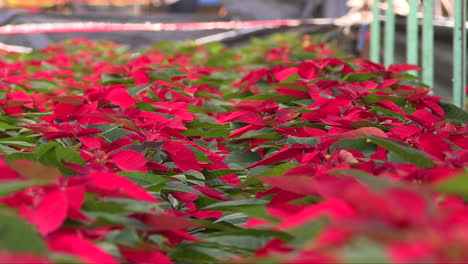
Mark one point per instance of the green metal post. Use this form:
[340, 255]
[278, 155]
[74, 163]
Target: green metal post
[375, 33]
[412, 31]
[428, 43]
[459, 54]
[389, 33]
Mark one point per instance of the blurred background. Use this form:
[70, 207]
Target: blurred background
[14, 12]
[242, 9]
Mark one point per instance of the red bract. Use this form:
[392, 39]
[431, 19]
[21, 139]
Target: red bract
[121, 98]
[7, 173]
[425, 118]
[79, 247]
[128, 160]
[433, 145]
[112, 185]
[251, 118]
[144, 256]
[405, 131]
[253, 77]
[336, 209]
[399, 68]
[182, 156]
[167, 222]
[285, 73]
[49, 213]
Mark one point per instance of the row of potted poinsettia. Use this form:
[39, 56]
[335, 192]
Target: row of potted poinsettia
[282, 151]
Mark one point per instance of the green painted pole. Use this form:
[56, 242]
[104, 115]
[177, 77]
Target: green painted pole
[459, 54]
[389, 34]
[428, 43]
[375, 33]
[412, 31]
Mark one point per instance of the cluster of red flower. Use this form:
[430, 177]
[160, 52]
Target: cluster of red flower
[171, 155]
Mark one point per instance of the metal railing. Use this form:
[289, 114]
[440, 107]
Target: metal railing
[457, 18]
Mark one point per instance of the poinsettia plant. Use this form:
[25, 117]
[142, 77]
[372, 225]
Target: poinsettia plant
[281, 151]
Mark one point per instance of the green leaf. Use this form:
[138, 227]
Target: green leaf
[174, 186]
[166, 73]
[44, 149]
[145, 106]
[44, 86]
[278, 170]
[245, 242]
[238, 219]
[115, 134]
[194, 175]
[215, 226]
[209, 175]
[59, 154]
[197, 109]
[144, 179]
[19, 155]
[200, 155]
[453, 112]
[51, 154]
[291, 79]
[4, 126]
[18, 236]
[145, 146]
[133, 205]
[408, 154]
[215, 106]
[364, 251]
[18, 143]
[69, 155]
[212, 133]
[250, 207]
[303, 234]
[386, 112]
[107, 79]
[392, 157]
[281, 99]
[32, 139]
[127, 237]
[264, 133]
[158, 239]
[241, 160]
[368, 123]
[104, 127]
[108, 219]
[373, 98]
[248, 240]
[138, 89]
[7, 150]
[58, 258]
[36, 115]
[455, 185]
[311, 141]
[204, 201]
[359, 144]
[372, 181]
[204, 121]
[303, 102]
[359, 77]
[235, 205]
[93, 205]
[194, 253]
